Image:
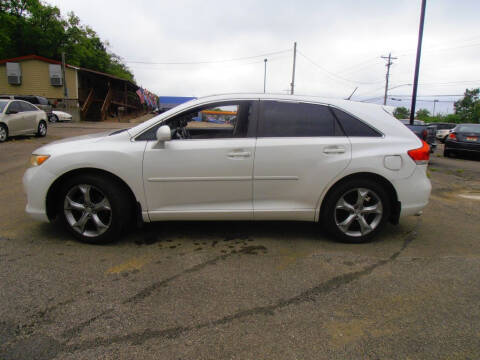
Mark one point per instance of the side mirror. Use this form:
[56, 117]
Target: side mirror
[164, 133]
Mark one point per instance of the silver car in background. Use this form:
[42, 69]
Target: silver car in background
[18, 117]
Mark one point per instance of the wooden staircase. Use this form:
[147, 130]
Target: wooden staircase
[87, 103]
[106, 104]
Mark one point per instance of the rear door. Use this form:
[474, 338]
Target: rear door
[300, 149]
[30, 114]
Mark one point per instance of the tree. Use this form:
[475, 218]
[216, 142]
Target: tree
[423, 114]
[468, 108]
[32, 27]
[401, 112]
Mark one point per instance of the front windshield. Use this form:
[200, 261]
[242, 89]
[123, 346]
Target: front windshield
[3, 104]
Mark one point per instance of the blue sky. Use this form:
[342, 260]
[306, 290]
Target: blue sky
[340, 44]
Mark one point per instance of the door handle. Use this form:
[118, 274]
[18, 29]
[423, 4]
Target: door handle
[335, 149]
[239, 154]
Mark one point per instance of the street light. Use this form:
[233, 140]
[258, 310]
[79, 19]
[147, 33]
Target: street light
[265, 76]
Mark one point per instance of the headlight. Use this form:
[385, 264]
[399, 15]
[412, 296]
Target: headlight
[37, 160]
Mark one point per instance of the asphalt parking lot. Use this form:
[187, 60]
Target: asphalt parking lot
[223, 290]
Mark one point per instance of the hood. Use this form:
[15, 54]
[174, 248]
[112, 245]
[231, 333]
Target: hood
[66, 145]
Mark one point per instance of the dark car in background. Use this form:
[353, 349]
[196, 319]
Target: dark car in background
[464, 138]
[39, 101]
[425, 132]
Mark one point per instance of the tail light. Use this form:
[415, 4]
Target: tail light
[420, 155]
[424, 134]
[452, 136]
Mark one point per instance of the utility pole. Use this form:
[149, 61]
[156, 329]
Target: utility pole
[292, 85]
[389, 59]
[65, 90]
[265, 76]
[434, 103]
[417, 63]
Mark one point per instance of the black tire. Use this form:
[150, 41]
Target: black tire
[3, 133]
[116, 219]
[376, 195]
[54, 118]
[42, 129]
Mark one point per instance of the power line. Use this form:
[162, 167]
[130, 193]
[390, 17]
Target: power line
[206, 61]
[333, 74]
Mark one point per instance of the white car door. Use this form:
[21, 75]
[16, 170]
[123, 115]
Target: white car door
[300, 149]
[207, 174]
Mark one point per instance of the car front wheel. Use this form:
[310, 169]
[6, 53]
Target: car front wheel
[93, 208]
[356, 210]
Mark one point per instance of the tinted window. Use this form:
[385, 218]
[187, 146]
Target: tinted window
[281, 119]
[2, 105]
[42, 101]
[468, 128]
[27, 107]
[353, 126]
[15, 106]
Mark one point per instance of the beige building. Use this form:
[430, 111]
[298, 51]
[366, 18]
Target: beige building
[90, 95]
[35, 79]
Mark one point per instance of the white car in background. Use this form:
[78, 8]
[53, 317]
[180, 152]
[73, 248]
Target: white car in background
[350, 166]
[60, 116]
[18, 117]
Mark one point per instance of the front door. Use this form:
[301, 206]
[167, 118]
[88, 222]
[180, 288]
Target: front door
[206, 170]
[299, 151]
[16, 122]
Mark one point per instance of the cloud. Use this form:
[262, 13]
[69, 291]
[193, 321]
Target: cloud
[346, 38]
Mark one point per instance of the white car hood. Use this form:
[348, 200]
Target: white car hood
[73, 143]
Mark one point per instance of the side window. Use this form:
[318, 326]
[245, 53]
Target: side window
[27, 107]
[218, 120]
[15, 106]
[283, 119]
[353, 126]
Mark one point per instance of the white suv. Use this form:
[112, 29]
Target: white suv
[350, 166]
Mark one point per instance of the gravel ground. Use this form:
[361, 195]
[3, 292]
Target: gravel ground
[224, 290]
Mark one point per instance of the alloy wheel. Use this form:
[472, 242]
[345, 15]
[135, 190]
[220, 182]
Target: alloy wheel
[3, 134]
[87, 210]
[42, 129]
[358, 212]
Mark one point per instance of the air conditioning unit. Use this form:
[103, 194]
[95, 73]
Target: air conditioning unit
[14, 73]
[56, 81]
[56, 78]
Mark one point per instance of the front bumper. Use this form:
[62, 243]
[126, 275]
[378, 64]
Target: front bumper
[36, 183]
[413, 192]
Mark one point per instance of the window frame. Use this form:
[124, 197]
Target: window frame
[337, 129]
[332, 107]
[251, 130]
[10, 105]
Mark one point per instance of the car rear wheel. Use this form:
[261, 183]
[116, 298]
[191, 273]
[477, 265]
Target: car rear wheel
[42, 129]
[93, 208]
[54, 118]
[356, 210]
[3, 133]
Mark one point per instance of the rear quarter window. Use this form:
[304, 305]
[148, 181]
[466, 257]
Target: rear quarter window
[354, 127]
